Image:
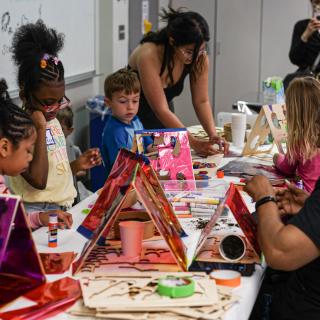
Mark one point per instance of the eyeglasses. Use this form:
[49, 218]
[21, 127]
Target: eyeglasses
[188, 53]
[63, 103]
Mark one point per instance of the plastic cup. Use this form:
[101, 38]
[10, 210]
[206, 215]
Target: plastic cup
[238, 129]
[131, 234]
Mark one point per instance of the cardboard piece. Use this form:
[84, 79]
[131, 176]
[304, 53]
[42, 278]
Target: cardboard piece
[20, 265]
[173, 155]
[208, 245]
[216, 311]
[131, 173]
[271, 119]
[138, 292]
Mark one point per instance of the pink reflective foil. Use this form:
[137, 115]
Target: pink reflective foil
[51, 298]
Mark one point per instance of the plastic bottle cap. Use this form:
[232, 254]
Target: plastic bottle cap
[220, 174]
[53, 218]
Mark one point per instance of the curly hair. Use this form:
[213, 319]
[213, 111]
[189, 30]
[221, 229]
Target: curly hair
[15, 123]
[31, 42]
[184, 28]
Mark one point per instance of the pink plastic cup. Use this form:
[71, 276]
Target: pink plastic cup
[131, 234]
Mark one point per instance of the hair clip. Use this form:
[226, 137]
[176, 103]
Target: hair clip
[43, 64]
[45, 58]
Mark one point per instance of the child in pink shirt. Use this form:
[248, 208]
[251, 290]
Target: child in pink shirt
[303, 121]
[17, 139]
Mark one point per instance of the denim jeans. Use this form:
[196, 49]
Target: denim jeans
[42, 206]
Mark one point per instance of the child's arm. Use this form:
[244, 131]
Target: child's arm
[39, 219]
[37, 173]
[282, 164]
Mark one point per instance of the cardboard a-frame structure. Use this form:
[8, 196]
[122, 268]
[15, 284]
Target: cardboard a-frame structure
[172, 157]
[272, 118]
[208, 245]
[131, 173]
[20, 265]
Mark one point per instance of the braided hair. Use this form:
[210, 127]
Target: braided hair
[15, 123]
[184, 28]
[35, 48]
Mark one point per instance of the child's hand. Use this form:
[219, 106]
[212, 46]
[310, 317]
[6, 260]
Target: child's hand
[87, 160]
[64, 217]
[38, 119]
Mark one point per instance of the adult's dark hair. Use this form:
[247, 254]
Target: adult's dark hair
[35, 48]
[184, 28]
[15, 123]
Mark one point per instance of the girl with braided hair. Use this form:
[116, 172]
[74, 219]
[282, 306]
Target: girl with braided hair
[17, 139]
[49, 182]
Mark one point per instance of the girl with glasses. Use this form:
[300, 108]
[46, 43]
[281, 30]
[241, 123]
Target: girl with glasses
[48, 183]
[163, 60]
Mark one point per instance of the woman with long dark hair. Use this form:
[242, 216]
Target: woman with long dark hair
[163, 60]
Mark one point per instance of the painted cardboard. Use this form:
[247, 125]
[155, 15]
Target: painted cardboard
[20, 265]
[129, 174]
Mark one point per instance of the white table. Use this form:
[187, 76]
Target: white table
[71, 240]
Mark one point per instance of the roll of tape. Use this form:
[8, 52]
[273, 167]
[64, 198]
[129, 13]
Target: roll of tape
[232, 247]
[227, 278]
[176, 287]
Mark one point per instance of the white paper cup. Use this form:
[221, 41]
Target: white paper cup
[238, 129]
[131, 234]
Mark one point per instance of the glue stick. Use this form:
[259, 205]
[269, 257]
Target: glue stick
[53, 230]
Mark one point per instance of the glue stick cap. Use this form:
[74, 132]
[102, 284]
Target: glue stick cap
[220, 174]
[53, 218]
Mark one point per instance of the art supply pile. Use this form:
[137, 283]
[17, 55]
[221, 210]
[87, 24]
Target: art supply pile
[192, 203]
[138, 296]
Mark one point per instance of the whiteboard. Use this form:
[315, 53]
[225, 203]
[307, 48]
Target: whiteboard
[74, 18]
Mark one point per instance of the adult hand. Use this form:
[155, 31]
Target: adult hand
[291, 200]
[312, 26]
[259, 187]
[203, 147]
[221, 142]
[89, 159]
[64, 217]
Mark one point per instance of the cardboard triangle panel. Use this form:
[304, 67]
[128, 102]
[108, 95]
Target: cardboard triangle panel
[208, 245]
[20, 265]
[271, 119]
[131, 174]
[171, 159]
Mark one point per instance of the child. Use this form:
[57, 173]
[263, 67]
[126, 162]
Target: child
[122, 93]
[17, 138]
[303, 121]
[49, 182]
[65, 117]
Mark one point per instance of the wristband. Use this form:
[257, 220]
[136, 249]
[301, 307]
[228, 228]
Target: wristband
[264, 200]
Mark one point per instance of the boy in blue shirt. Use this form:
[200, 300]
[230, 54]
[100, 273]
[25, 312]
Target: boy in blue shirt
[122, 94]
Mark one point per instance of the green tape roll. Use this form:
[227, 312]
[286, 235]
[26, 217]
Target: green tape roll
[176, 287]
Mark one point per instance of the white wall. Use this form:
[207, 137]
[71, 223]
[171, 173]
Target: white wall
[279, 18]
[238, 43]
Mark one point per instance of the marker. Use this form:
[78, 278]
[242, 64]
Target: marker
[197, 200]
[202, 210]
[203, 205]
